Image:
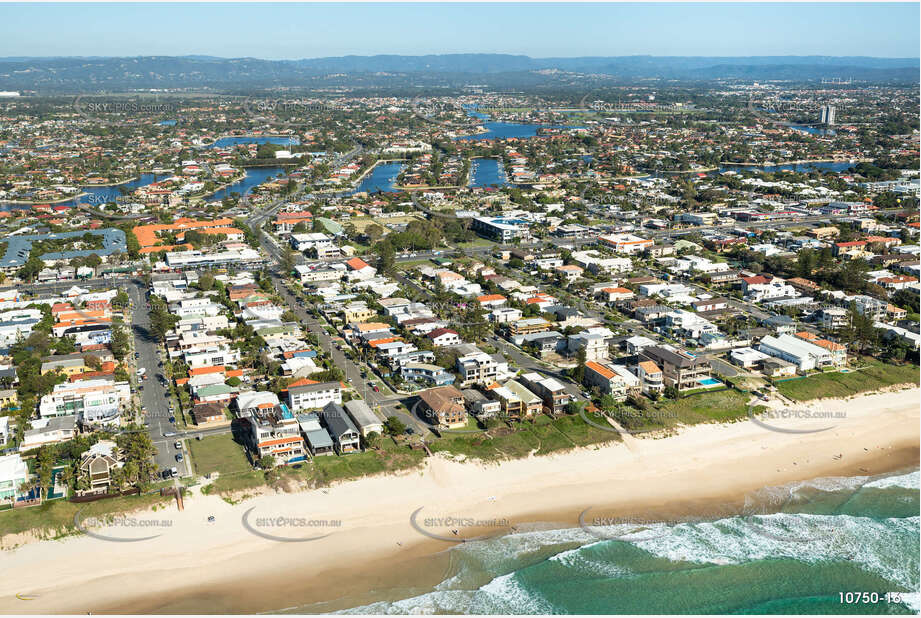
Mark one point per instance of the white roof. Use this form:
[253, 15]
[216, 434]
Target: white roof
[13, 467]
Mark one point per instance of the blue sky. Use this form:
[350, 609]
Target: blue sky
[537, 30]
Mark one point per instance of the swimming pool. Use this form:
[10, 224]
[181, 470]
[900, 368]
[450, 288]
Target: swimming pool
[709, 381]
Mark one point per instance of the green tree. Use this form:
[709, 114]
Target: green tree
[394, 426]
[121, 342]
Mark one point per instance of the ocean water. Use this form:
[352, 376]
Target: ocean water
[789, 550]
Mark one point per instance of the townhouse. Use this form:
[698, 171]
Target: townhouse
[552, 393]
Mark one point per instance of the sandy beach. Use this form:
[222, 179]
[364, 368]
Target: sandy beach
[200, 567]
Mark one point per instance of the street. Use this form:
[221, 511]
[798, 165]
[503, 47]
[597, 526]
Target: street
[154, 398]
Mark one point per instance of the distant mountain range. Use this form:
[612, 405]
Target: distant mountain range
[90, 74]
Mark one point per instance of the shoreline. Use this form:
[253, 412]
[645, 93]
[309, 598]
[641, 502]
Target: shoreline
[213, 568]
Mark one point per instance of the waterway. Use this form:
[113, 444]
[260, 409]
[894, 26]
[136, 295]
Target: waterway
[822, 166]
[380, 179]
[812, 130]
[255, 176]
[226, 142]
[505, 130]
[487, 172]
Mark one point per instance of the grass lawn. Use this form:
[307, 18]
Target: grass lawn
[324, 469]
[218, 453]
[232, 483]
[476, 242]
[544, 435]
[53, 519]
[874, 376]
[708, 407]
[329, 468]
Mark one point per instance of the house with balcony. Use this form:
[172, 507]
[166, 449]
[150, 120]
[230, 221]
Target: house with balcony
[307, 394]
[481, 368]
[609, 379]
[551, 391]
[425, 372]
[651, 378]
[95, 402]
[13, 473]
[97, 464]
[680, 369]
[346, 437]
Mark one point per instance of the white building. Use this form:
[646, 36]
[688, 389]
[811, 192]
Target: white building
[804, 355]
[94, 402]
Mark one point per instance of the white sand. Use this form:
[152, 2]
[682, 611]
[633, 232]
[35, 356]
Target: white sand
[705, 463]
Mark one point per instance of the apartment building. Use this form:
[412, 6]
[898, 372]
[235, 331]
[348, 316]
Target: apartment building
[680, 369]
[273, 430]
[479, 368]
[93, 402]
[308, 395]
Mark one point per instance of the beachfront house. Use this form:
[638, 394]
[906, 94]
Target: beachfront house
[340, 426]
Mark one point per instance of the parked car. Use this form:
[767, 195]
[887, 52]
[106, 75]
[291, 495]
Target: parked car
[178, 456]
[178, 445]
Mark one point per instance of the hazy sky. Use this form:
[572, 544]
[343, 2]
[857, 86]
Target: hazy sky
[538, 30]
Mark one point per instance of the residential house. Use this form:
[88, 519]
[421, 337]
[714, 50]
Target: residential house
[97, 464]
[551, 391]
[443, 406]
[14, 472]
[651, 377]
[340, 426]
[363, 417]
[318, 439]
